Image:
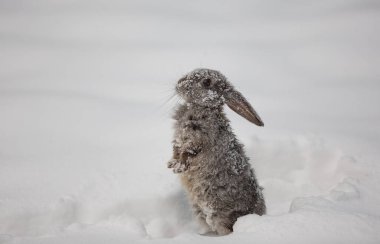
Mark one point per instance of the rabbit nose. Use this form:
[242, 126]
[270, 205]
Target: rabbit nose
[181, 80]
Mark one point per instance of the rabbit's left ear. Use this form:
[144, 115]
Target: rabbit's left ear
[240, 105]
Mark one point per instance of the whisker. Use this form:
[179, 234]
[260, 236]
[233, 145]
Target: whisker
[167, 101]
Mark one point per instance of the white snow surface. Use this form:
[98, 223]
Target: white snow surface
[85, 127]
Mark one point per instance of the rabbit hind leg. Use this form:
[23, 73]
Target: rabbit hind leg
[222, 225]
[201, 219]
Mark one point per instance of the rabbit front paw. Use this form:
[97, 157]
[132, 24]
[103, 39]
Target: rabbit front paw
[172, 163]
[180, 168]
[177, 166]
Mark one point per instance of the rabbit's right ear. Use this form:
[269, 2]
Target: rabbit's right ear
[237, 102]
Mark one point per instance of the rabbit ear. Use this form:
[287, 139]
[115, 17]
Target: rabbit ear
[240, 105]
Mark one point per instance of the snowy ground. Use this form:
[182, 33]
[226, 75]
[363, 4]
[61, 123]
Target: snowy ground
[85, 124]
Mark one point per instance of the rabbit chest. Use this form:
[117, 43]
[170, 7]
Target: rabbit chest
[213, 162]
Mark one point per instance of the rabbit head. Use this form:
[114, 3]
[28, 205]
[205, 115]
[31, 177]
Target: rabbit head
[209, 88]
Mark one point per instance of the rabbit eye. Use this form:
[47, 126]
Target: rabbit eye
[206, 82]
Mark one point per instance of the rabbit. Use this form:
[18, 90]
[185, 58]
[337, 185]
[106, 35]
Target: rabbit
[211, 162]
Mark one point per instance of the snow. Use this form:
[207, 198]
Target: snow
[85, 128]
[211, 95]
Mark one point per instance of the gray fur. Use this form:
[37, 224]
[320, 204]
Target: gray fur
[211, 162]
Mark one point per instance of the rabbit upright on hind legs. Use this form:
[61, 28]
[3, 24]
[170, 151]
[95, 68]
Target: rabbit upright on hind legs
[211, 162]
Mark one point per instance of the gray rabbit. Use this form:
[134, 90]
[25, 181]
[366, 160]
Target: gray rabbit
[211, 162]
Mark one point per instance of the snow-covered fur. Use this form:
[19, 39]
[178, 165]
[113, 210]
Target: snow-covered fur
[211, 162]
